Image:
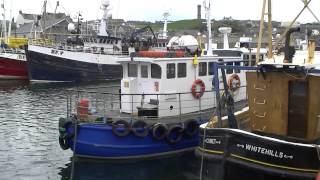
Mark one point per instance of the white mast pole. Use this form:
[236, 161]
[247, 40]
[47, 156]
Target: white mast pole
[10, 22]
[103, 22]
[4, 22]
[207, 7]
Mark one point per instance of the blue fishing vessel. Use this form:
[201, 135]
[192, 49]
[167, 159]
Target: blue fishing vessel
[164, 96]
[158, 110]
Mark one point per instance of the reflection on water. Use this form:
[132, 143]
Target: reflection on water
[183, 167]
[29, 145]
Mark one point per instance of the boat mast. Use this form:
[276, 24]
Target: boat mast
[4, 24]
[207, 7]
[263, 13]
[44, 12]
[103, 23]
[165, 25]
[10, 22]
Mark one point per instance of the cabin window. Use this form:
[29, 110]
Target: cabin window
[254, 57]
[202, 69]
[171, 71]
[210, 66]
[237, 70]
[261, 58]
[144, 71]
[155, 71]
[229, 71]
[132, 70]
[182, 70]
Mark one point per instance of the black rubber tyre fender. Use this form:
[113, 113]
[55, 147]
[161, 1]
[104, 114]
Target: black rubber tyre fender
[171, 137]
[118, 124]
[159, 131]
[63, 125]
[63, 143]
[191, 127]
[136, 126]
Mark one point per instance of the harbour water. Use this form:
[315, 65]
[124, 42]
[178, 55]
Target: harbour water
[29, 145]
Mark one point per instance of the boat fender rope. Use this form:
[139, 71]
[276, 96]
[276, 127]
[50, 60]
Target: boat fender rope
[159, 131]
[175, 134]
[140, 128]
[121, 128]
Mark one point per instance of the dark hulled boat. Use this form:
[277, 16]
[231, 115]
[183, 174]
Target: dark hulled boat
[63, 64]
[89, 58]
[277, 136]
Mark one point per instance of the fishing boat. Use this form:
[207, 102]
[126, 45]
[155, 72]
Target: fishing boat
[277, 135]
[12, 57]
[164, 96]
[90, 58]
[13, 64]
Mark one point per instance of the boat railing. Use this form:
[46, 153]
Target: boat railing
[42, 42]
[112, 50]
[12, 51]
[100, 106]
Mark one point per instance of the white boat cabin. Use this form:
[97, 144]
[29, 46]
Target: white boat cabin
[174, 86]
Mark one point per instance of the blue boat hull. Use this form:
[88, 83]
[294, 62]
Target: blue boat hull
[44, 67]
[98, 141]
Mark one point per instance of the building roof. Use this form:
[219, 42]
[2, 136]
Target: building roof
[48, 16]
[27, 27]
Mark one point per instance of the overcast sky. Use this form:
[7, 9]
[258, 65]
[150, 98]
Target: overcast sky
[152, 10]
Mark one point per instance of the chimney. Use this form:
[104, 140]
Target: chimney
[199, 11]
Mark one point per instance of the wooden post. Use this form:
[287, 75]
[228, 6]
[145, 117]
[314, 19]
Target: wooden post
[260, 31]
[270, 50]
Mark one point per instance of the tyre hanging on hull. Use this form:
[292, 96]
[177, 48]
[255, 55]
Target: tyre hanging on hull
[121, 128]
[63, 143]
[140, 129]
[159, 131]
[64, 134]
[175, 134]
[191, 127]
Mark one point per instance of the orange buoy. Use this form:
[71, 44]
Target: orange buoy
[161, 54]
[200, 83]
[234, 82]
[83, 108]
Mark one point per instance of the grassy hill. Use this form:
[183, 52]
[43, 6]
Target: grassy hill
[176, 25]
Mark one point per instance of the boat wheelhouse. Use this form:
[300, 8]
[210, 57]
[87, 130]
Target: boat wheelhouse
[182, 81]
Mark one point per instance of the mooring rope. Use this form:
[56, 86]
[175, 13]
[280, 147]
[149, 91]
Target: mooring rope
[203, 140]
[74, 148]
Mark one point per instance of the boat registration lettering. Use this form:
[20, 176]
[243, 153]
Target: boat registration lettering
[212, 141]
[53, 51]
[265, 151]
